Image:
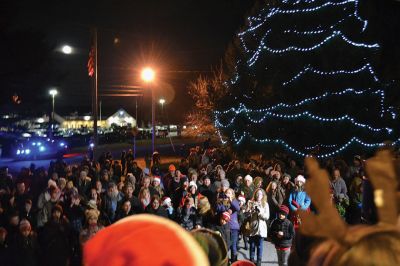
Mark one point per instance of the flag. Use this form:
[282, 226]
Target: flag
[90, 64]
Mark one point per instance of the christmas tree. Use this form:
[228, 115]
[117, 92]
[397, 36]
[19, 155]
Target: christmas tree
[305, 78]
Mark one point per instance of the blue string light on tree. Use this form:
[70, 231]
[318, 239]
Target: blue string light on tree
[353, 140]
[306, 114]
[262, 46]
[243, 108]
[276, 11]
[315, 31]
[332, 73]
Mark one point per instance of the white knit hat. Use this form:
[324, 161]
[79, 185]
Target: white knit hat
[300, 178]
[248, 177]
[192, 183]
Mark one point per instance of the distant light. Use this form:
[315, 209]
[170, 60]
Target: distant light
[27, 151]
[42, 148]
[91, 145]
[39, 143]
[26, 135]
[22, 151]
[33, 143]
[66, 49]
[18, 152]
[40, 120]
[148, 74]
[162, 101]
[86, 118]
[53, 92]
[184, 127]
[62, 144]
[116, 40]
[121, 112]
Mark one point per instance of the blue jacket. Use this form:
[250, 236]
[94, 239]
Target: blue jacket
[235, 208]
[301, 198]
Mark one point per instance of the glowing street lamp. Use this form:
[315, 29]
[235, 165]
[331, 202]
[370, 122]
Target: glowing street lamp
[53, 93]
[148, 76]
[162, 101]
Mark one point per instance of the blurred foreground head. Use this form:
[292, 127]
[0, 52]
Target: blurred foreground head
[360, 245]
[143, 240]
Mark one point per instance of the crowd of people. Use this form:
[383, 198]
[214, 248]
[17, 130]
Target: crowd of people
[47, 215]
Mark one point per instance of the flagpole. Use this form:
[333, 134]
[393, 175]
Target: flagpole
[95, 94]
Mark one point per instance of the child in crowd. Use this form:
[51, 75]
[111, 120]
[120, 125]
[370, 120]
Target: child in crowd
[282, 234]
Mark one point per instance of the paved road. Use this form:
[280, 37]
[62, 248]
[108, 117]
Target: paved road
[269, 253]
[15, 166]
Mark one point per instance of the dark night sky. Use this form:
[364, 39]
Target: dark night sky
[182, 38]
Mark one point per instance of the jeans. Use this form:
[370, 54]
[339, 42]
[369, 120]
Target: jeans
[234, 242]
[256, 242]
[283, 256]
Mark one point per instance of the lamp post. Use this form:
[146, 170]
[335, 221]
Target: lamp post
[162, 101]
[53, 93]
[148, 76]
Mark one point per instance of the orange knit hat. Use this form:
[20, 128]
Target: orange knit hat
[128, 242]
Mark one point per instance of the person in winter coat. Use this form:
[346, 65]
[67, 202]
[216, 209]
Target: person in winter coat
[223, 228]
[247, 187]
[24, 248]
[206, 214]
[286, 187]
[339, 189]
[241, 218]
[55, 239]
[110, 202]
[156, 208]
[298, 199]
[275, 198]
[167, 204]
[187, 215]
[282, 234]
[258, 210]
[180, 194]
[92, 227]
[234, 223]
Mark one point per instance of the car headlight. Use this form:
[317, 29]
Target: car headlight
[18, 152]
[42, 148]
[62, 144]
[27, 151]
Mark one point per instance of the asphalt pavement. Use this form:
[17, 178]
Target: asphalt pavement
[269, 253]
[76, 157]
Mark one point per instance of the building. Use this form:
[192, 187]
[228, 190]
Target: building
[120, 118]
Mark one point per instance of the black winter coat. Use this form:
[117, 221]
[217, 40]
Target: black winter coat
[188, 218]
[287, 228]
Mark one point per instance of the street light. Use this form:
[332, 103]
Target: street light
[162, 101]
[53, 93]
[148, 76]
